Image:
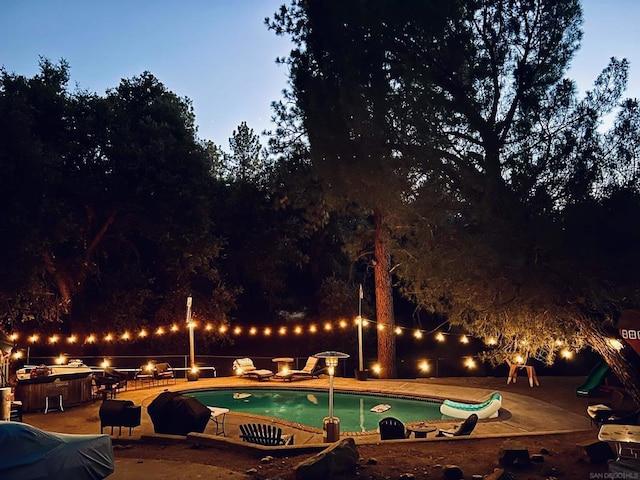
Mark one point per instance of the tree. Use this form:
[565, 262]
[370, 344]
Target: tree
[491, 148]
[111, 205]
[340, 87]
[247, 161]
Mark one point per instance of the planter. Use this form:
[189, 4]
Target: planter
[193, 376]
[362, 375]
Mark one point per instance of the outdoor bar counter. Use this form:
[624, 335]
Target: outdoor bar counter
[69, 386]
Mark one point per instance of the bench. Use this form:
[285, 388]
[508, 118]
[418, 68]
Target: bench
[262, 434]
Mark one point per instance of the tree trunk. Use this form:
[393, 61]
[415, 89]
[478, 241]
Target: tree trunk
[624, 363]
[384, 300]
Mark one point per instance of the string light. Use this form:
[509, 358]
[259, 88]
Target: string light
[423, 366]
[327, 327]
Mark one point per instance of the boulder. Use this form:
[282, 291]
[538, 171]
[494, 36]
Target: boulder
[337, 459]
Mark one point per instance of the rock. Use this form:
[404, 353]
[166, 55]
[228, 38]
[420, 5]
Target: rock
[251, 471]
[452, 472]
[339, 458]
[407, 476]
[537, 458]
[372, 461]
[544, 451]
[266, 459]
[514, 454]
[549, 471]
[499, 474]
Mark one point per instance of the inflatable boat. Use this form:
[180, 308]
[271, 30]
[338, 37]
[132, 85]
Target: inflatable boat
[487, 408]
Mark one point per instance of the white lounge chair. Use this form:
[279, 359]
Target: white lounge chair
[310, 370]
[245, 367]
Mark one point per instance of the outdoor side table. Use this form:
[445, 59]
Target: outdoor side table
[420, 429]
[283, 362]
[623, 436]
[218, 415]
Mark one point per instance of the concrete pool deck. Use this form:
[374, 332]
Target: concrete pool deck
[551, 408]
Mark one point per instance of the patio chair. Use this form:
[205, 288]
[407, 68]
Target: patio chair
[465, 428]
[164, 373]
[120, 377]
[264, 434]
[146, 373]
[309, 370]
[245, 368]
[392, 429]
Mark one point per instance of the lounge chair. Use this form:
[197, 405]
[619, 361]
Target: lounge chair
[464, 429]
[391, 429]
[245, 368]
[619, 417]
[309, 370]
[599, 410]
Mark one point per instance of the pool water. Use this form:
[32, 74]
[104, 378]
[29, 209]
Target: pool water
[309, 407]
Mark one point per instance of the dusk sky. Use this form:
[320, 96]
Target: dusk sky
[219, 53]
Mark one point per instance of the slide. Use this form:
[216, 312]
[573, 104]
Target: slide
[594, 380]
[485, 409]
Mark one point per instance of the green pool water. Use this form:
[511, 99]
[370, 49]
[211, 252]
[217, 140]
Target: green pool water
[309, 407]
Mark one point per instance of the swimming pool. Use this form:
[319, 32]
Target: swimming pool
[309, 407]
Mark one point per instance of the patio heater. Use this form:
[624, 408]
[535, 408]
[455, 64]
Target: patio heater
[331, 424]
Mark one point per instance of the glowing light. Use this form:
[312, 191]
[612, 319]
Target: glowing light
[615, 343]
[285, 370]
[91, 338]
[125, 336]
[424, 366]
[417, 334]
[60, 360]
[17, 354]
[381, 326]
[313, 329]
[559, 343]
[267, 331]
[398, 331]
[440, 337]
[464, 339]
[566, 353]
[72, 339]
[343, 324]
[195, 369]
[142, 333]
[328, 327]
[149, 367]
[223, 329]
[253, 331]
[53, 339]
[13, 337]
[237, 330]
[297, 330]
[108, 337]
[282, 330]
[208, 327]
[160, 331]
[519, 360]
[33, 338]
[105, 363]
[174, 328]
[376, 369]
[470, 363]
[365, 323]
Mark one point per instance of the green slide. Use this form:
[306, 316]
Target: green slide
[595, 378]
